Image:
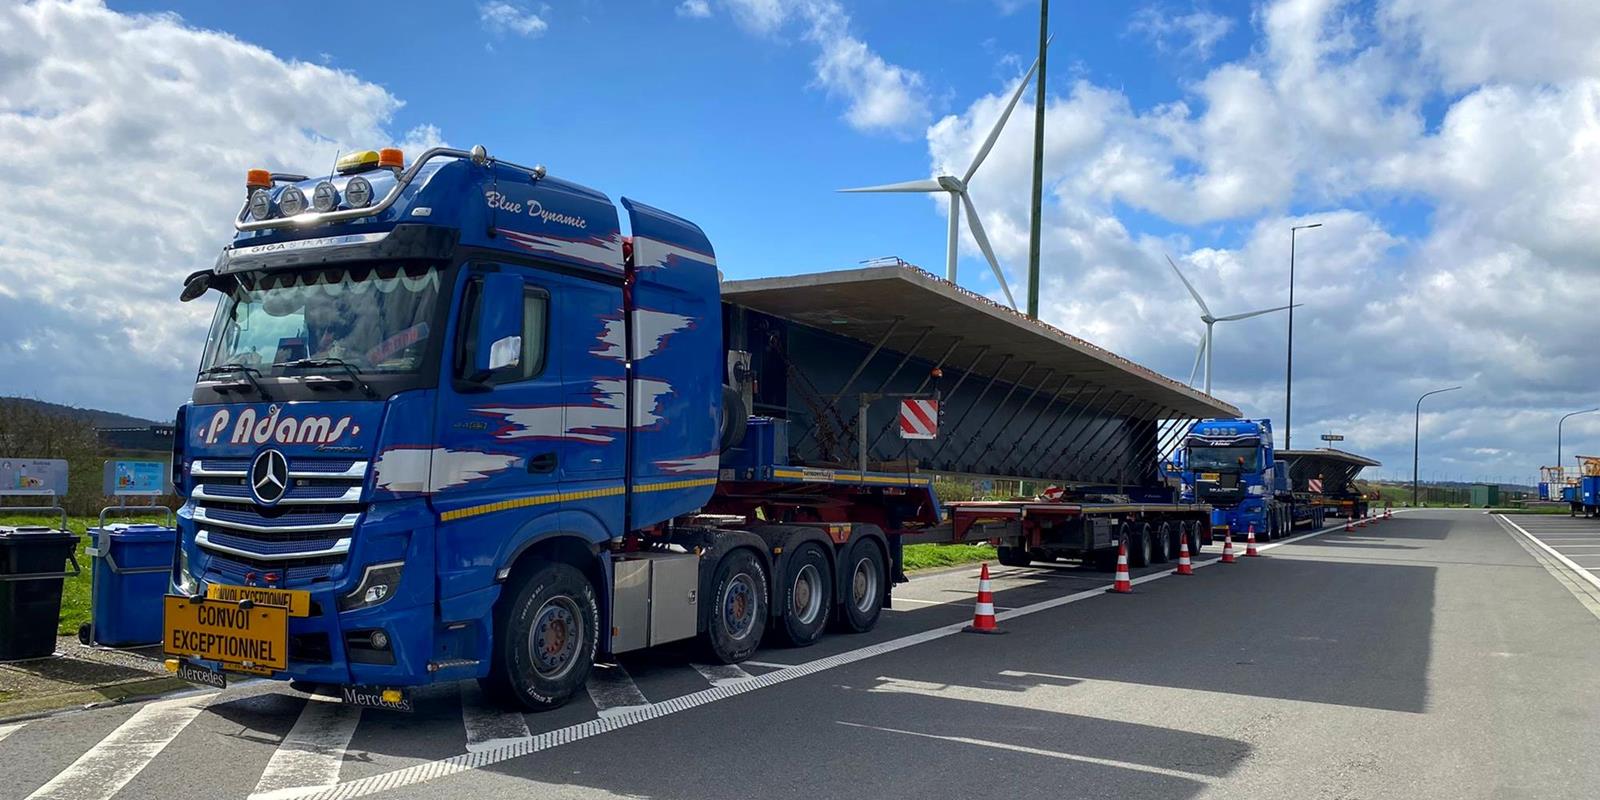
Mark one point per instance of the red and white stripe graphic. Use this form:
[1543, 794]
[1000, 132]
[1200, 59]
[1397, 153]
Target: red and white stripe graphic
[919, 419]
[1315, 485]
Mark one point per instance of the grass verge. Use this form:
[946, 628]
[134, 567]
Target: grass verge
[928, 556]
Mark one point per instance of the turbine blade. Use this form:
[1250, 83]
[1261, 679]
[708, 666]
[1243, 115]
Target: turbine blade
[924, 185]
[1199, 355]
[976, 226]
[1000, 124]
[1249, 314]
[1189, 286]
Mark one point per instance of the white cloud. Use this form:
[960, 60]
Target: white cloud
[1191, 34]
[697, 9]
[1453, 251]
[881, 96]
[500, 16]
[125, 167]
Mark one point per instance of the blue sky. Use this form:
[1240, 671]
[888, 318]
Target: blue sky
[698, 116]
[1446, 146]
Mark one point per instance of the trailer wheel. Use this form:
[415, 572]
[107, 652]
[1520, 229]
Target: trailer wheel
[734, 419]
[1013, 556]
[1162, 544]
[807, 595]
[546, 628]
[1138, 538]
[862, 576]
[1196, 541]
[739, 607]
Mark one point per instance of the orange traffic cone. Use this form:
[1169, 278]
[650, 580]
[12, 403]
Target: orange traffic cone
[1227, 548]
[983, 616]
[1388, 513]
[1184, 566]
[1349, 527]
[1123, 583]
[1250, 541]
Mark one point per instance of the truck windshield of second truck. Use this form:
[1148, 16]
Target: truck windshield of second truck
[1217, 459]
[374, 319]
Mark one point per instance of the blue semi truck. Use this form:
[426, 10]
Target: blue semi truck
[450, 422]
[1230, 465]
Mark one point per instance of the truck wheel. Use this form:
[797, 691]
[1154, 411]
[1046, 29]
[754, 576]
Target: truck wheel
[738, 607]
[1162, 545]
[863, 587]
[546, 628]
[1012, 556]
[1138, 538]
[1196, 541]
[807, 591]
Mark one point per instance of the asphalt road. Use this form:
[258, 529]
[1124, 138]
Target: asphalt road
[1439, 654]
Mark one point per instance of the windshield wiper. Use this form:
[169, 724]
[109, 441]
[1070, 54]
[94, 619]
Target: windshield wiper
[318, 363]
[251, 376]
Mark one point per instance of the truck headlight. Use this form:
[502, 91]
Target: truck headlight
[1258, 490]
[182, 580]
[292, 201]
[260, 204]
[378, 583]
[358, 192]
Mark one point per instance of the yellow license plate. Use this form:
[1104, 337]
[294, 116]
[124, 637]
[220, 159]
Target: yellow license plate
[218, 631]
[297, 601]
[1211, 476]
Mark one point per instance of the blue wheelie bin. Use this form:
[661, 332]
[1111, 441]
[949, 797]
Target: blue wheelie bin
[132, 568]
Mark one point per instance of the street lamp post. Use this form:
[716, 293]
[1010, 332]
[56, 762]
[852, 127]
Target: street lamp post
[1288, 390]
[1563, 422]
[1416, 441]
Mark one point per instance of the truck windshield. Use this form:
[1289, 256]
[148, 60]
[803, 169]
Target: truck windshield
[374, 319]
[1232, 459]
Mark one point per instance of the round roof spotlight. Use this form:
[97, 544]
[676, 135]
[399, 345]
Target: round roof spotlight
[324, 197]
[292, 201]
[358, 192]
[260, 204]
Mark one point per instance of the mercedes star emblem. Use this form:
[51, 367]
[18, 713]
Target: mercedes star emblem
[269, 477]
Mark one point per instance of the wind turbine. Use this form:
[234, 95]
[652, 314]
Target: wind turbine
[959, 200]
[1210, 320]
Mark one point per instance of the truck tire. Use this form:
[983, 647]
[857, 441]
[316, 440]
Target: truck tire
[1162, 543]
[1013, 556]
[862, 576]
[546, 629]
[738, 607]
[1138, 539]
[735, 417]
[807, 595]
[1197, 540]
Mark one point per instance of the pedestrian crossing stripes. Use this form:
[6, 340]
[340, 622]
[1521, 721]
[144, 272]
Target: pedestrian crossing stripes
[720, 674]
[613, 691]
[487, 726]
[105, 768]
[310, 756]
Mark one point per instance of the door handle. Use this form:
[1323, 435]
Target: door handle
[543, 463]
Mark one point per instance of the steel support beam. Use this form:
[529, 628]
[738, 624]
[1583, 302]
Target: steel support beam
[945, 440]
[1026, 429]
[1088, 404]
[833, 402]
[1093, 436]
[1018, 451]
[884, 384]
[1135, 418]
[873, 445]
[1015, 385]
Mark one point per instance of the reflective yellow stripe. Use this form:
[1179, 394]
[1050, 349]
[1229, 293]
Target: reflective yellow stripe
[853, 477]
[557, 497]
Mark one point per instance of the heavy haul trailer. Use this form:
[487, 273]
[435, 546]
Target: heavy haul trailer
[1016, 399]
[450, 424]
[1327, 476]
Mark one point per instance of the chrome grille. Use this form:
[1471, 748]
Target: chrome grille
[311, 526]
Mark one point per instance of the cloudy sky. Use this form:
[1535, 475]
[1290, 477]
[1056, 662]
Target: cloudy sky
[1450, 148]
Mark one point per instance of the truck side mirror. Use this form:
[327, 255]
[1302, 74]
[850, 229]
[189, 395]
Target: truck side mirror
[198, 282]
[498, 345]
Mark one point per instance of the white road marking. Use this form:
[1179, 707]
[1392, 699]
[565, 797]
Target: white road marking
[1573, 565]
[309, 758]
[720, 674]
[489, 727]
[613, 691]
[962, 601]
[768, 664]
[466, 762]
[1034, 751]
[7, 730]
[104, 769]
